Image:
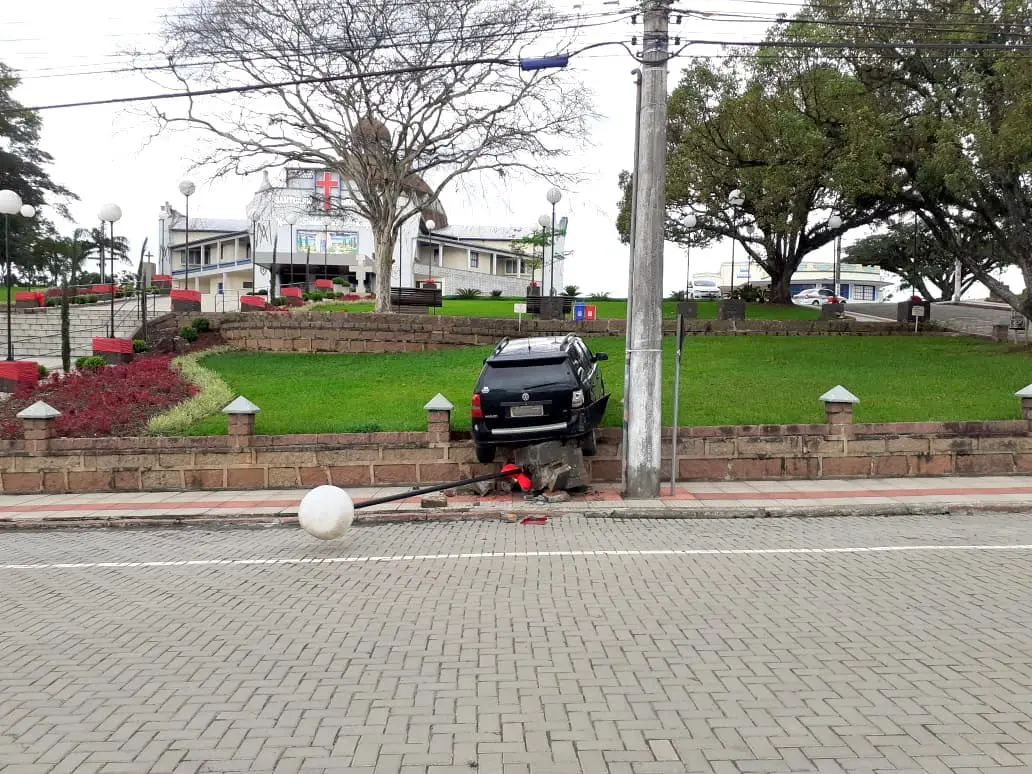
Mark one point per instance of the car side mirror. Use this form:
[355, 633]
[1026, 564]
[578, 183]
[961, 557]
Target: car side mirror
[600, 356]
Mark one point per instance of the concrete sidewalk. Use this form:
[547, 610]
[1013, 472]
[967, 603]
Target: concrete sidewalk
[732, 499]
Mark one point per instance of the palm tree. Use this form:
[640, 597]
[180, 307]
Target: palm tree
[98, 246]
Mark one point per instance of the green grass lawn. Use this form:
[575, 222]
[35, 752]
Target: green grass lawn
[606, 310]
[724, 380]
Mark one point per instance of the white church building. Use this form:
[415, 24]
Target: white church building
[295, 228]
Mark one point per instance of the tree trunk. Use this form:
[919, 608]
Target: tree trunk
[780, 285]
[66, 339]
[383, 252]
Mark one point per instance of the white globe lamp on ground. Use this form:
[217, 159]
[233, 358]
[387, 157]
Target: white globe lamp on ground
[326, 512]
[11, 204]
[187, 189]
[553, 196]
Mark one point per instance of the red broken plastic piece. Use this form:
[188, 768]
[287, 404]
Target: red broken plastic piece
[513, 473]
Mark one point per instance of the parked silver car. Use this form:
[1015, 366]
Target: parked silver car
[816, 297]
[703, 288]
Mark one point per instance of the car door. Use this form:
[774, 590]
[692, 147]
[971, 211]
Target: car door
[595, 397]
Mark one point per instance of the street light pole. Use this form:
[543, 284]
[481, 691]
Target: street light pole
[736, 199]
[187, 188]
[11, 204]
[835, 223]
[291, 219]
[553, 196]
[110, 213]
[254, 251]
[689, 222]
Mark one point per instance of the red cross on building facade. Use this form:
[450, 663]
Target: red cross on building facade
[327, 183]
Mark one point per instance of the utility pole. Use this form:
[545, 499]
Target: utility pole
[644, 421]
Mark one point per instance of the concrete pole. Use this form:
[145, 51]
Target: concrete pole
[630, 278]
[957, 267]
[643, 413]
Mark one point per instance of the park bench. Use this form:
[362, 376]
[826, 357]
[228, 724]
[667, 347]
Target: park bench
[415, 300]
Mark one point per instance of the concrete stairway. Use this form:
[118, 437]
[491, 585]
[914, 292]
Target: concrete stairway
[37, 333]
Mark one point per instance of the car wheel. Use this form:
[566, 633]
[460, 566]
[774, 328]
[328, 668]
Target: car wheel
[816, 303]
[485, 454]
[589, 447]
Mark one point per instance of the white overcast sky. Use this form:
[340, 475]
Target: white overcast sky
[107, 154]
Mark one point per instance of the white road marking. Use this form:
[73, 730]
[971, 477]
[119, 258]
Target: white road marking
[515, 555]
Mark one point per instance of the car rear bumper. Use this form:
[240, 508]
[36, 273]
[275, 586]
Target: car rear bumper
[518, 435]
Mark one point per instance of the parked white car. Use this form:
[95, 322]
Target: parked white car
[703, 288]
[815, 297]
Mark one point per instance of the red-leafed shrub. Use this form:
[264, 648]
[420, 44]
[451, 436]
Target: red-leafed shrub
[113, 400]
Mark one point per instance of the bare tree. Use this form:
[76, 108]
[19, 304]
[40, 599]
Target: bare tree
[397, 97]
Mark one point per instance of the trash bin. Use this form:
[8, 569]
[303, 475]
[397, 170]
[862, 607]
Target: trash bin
[589, 312]
[578, 311]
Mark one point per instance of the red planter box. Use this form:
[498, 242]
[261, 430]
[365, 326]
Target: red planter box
[324, 284]
[162, 278]
[28, 299]
[292, 293]
[185, 300]
[16, 373]
[252, 303]
[113, 350]
[102, 289]
[294, 301]
[53, 293]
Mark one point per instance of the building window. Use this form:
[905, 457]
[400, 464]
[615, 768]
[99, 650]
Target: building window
[510, 265]
[248, 285]
[474, 260]
[863, 292]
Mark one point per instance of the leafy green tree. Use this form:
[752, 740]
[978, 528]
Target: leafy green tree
[793, 135]
[957, 132]
[532, 248]
[23, 169]
[924, 263]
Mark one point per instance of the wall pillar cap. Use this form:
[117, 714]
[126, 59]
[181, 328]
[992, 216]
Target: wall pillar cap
[241, 405]
[839, 394]
[1024, 392]
[39, 410]
[439, 403]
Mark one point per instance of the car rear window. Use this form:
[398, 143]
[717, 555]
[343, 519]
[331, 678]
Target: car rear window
[521, 375]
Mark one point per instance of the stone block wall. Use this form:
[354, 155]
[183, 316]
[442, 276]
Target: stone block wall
[42, 464]
[386, 333]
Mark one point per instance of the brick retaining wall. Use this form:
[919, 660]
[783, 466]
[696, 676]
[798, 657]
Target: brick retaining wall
[363, 459]
[369, 332]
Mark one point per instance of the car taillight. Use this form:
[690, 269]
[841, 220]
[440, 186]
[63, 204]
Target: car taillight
[476, 411]
[578, 398]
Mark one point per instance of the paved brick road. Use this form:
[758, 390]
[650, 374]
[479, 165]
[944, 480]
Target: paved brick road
[912, 660]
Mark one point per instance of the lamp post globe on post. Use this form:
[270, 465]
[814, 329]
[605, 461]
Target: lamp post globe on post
[736, 199]
[110, 213]
[10, 204]
[553, 196]
[688, 222]
[254, 251]
[291, 219]
[834, 223]
[187, 188]
[430, 226]
[543, 221]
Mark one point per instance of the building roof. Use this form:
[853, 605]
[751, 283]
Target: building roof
[485, 233]
[210, 224]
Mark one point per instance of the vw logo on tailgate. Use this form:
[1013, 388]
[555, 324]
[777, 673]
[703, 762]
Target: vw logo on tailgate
[525, 396]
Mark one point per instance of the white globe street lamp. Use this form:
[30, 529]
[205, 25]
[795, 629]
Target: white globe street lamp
[187, 188]
[688, 222]
[11, 204]
[553, 196]
[736, 199]
[111, 213]
[834, 224]
[291, 218]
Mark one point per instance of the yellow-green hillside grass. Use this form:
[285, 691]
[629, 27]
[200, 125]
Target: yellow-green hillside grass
[213, 395]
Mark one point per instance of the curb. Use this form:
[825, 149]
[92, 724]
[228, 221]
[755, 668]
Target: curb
[265, 521]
